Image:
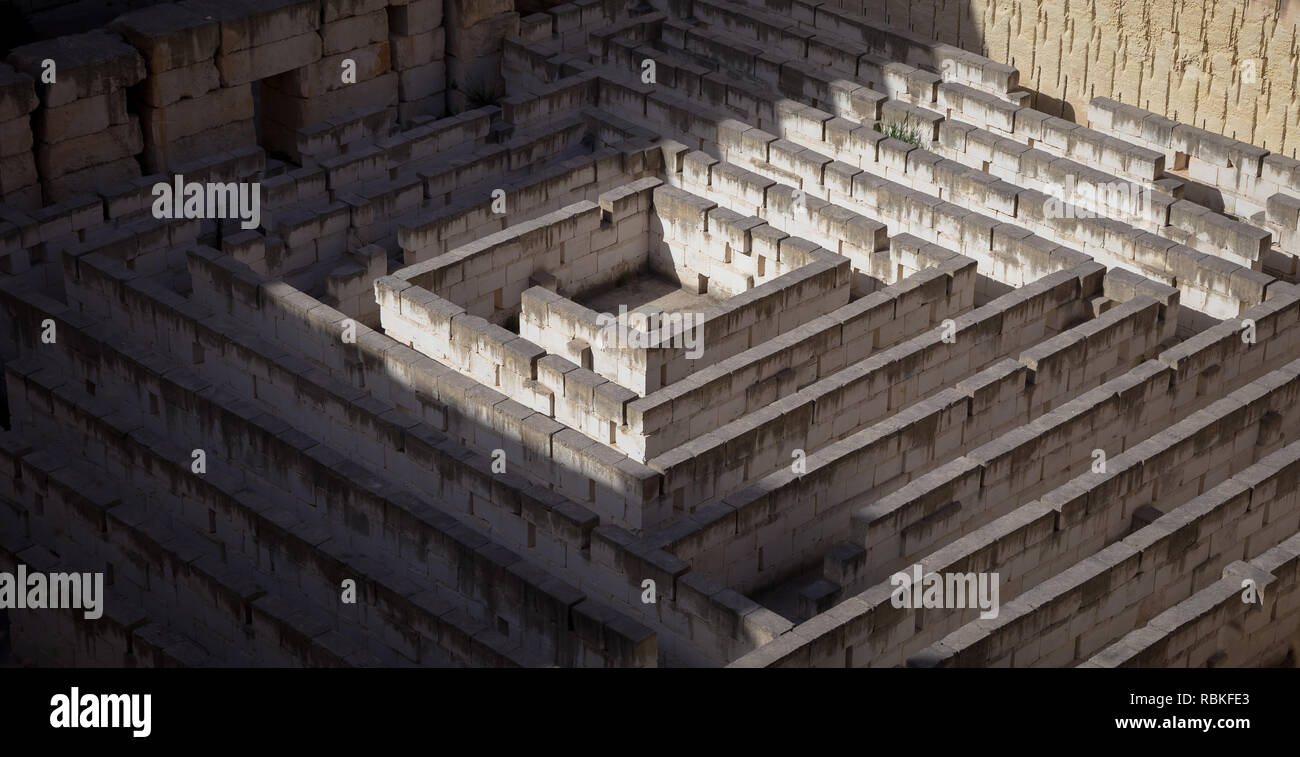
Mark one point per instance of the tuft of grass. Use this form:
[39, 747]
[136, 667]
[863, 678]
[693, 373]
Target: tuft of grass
[906, 130]
[482, 94]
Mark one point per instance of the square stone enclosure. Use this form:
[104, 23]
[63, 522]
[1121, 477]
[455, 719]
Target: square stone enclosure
[747, 282]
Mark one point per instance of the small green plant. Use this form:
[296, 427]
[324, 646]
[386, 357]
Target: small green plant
[484, 93]
[906, 130]
[622, 280]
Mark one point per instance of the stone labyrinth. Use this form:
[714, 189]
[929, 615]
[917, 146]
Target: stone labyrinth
[383, 333]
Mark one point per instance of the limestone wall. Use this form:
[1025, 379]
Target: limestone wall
[577, 245]
[1098, 508]
[814, 505]
[1048, 611]
[771, 371]
[19, 185]
[1225, 174]
[1209, 284]
[85, 136]
[1008, 470]
[543, 525]
[718, 243]
[231, 611]
[727, 464]
[356, 428]
[676, 347]
[479, 415]
[174, 82]
[516, 367]
[1012, 255]
[69, 640]
[417, 38]
[1086, 607]
[1216, 626]
[1150, 204]
[466, 216]
[1222, 66]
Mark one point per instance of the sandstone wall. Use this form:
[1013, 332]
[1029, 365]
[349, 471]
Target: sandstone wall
[1223, 65]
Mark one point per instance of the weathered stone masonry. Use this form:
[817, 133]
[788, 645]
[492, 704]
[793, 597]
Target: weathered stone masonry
[911, 346]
